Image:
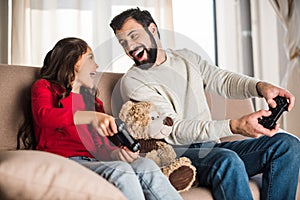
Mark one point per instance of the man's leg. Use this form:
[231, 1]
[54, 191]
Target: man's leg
[277, 157]
[220, 169]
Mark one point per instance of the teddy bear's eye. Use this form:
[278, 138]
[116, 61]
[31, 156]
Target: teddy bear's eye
[153, 115]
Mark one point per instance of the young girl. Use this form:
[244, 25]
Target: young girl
[69, 120]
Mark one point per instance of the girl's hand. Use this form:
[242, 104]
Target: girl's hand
[248, 125]
[124, 154]
[104, 124]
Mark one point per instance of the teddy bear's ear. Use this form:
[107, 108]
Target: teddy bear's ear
[125, 110]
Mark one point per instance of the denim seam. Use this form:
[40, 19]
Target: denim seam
[271, 168]
[146, 185]
[219, 176]
[270, 181]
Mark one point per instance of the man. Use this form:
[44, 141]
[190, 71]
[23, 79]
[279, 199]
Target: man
[176, 81]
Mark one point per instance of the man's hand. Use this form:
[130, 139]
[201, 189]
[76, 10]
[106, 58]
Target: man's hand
[124, 154]
[269, 92]
[248, 125]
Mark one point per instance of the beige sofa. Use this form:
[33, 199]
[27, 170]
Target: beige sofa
[28, 174]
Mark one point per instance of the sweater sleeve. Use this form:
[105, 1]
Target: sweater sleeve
[195, 124]
[44, 108]
[184, 131]
[223, 82]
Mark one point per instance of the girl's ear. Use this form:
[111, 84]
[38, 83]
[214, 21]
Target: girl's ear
[78, 64]
[76, 67]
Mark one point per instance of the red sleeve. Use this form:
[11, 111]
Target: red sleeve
[100, 106]
[44, 107]
[110, 146]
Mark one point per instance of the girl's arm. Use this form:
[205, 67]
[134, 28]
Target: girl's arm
[103, 123]
[124, 154]
[47, 114]
[45, 110]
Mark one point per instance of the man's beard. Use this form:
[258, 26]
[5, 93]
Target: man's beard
[151, 55]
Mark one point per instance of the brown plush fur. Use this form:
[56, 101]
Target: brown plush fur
[136, 117]
[180, 171]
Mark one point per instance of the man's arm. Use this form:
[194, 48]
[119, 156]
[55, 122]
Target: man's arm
[184, 131]
[248, 125]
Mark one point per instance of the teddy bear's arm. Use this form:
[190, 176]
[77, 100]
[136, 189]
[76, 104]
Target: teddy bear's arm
[158, 130]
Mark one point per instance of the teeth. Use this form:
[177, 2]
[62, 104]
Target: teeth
[137, 52]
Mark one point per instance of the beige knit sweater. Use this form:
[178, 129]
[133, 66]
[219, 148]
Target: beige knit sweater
[177, 87]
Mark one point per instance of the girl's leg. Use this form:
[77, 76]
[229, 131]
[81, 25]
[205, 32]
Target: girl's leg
[154, 183]
[119, 173]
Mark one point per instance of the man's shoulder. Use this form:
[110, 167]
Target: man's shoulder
[183, 51]
[132, 72]
[132, 76]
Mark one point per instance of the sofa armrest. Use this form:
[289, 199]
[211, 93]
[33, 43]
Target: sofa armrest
[40, 175]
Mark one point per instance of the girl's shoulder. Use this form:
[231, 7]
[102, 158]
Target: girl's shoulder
[41, 82]
[45, 84]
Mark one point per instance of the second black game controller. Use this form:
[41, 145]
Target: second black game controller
[123, 137]
[270, 121]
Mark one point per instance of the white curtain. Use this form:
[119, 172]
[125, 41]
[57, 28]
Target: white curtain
[38, 24]
[288, 14]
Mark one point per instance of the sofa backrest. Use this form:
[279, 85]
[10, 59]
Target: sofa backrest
[15, 84]
[16, 81]
[109, 92]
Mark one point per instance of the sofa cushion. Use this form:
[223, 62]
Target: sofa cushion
[205, 193]
[40, 175]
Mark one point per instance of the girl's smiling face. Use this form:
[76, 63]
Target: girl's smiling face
[85, 71]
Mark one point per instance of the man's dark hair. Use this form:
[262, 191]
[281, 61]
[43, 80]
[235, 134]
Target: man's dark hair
[143, 17]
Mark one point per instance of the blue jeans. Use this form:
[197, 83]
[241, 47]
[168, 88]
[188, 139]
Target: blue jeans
[226, 167]
[141, 179]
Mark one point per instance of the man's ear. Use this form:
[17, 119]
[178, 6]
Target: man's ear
[152, 28]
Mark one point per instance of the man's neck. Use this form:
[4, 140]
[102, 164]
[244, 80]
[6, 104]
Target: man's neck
[161, 57]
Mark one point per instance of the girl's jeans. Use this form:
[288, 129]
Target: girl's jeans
[141, 179]
[226, 167]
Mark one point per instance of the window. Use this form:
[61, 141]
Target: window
[38, 24]
[192, 23]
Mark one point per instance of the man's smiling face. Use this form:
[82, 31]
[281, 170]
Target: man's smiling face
[138, 43]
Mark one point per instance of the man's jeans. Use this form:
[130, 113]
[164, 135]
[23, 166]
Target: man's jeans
[137, 180]
[226, 167]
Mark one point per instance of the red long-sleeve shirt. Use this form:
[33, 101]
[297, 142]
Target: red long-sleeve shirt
[54, 127]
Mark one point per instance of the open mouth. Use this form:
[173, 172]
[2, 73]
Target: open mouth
[93, 74]
[139, 54]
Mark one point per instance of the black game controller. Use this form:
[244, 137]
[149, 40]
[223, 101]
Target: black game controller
[270, 121]
[123, 137]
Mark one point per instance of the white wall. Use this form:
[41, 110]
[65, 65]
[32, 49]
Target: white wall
[268, 58]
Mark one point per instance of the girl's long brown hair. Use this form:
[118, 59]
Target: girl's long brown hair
[58, 69]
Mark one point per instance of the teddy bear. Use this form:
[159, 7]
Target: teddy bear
[145, 124]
